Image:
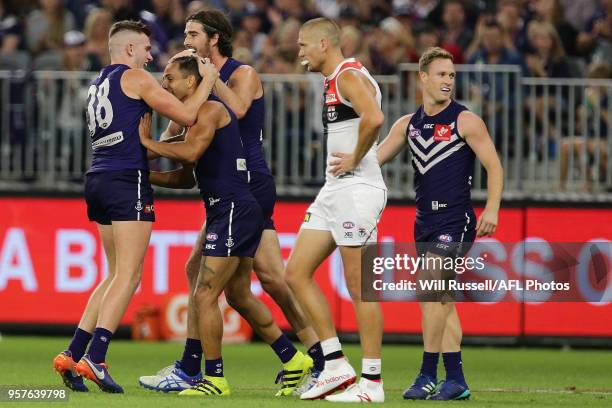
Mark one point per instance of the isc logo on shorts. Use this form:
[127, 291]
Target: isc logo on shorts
[211, 246]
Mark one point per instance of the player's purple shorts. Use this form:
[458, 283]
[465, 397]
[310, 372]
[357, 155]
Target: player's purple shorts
[264, 190]
[448, 237]
[121, 195]
[234, 230]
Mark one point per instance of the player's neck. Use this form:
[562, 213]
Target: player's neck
[432, 108]
[123, 61]
[218, 60]
[331, 63]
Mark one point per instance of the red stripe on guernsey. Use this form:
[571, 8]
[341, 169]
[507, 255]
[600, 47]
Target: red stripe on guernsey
[330, 87]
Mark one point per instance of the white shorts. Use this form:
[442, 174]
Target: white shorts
[350, 213]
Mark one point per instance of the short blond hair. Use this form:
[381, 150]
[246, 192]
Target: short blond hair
[325, 28]
[431, 54]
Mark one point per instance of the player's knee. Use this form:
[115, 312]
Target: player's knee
[353, 285]
[192, 268]
[237, 299]
[295, 277]
[204, 295]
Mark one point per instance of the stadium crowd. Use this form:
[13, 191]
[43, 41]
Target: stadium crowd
[547, 38]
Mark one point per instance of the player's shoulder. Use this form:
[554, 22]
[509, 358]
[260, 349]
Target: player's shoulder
[469, 122]
[245, 72]
[402, 122]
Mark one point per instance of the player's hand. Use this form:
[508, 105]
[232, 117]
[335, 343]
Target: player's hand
[207, 69]
[185, 53]
[343, 163]
[487, 223]
[144, 129]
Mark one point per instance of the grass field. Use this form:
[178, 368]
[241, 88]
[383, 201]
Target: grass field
[498, 377]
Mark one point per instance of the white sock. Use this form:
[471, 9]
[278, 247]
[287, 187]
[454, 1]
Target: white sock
[371, 366]
[331, 345]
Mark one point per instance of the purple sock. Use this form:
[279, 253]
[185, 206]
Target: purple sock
[191, 363]
[283, 348]
[78, 344]
[429, 366]
[316, 353]
[454, 367]
[214, 368]
[99, 345]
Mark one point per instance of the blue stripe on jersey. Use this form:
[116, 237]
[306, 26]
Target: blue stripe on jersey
[113, 119]
[443, 164]
[251, 125]
[221, 171]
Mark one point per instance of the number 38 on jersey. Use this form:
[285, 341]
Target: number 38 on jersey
[99, 107]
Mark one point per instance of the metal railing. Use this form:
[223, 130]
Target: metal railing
[545, 131]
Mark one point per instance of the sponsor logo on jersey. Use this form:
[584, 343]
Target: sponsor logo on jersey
[138, 205]
[436, 205]
[348, 225]
[229, 243]
[445, 238]
[442, 133]
[211, 246]
[332, 115]
[428, 126]
[330, 98]
[307, 217]
[211, 236]
[109, 140]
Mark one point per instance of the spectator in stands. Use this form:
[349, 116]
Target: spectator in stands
[428, 36]
[45, 26]
[198, 5]
[455, 31]
[579, 13]
[551, 11]
[488, 90]
[169, 15]
[592, 115]
[596, 40]
[75, 55]
[10, 32]
[348, 16]
[420, 9]
[97, 26]
[390, 46]
[354, 45]
[547, 56]
[510, 19]
[251, 28]
[490, 46]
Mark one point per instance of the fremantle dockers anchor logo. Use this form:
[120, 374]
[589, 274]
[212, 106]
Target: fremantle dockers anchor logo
[138, 205]
[229, 243]
[331, 113]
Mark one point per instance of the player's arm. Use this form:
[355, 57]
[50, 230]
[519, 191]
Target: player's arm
[142, 84]
[242, 89]
[196, 141]
[357, 91]
[394, 142]
[179, 178]
[474, 131]
[173, 133]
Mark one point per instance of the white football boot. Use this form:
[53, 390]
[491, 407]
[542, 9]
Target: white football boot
[363, 391]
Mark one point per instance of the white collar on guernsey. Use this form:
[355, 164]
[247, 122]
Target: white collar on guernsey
[333, 74]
